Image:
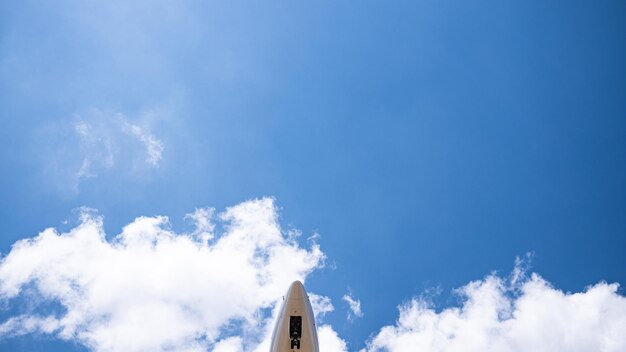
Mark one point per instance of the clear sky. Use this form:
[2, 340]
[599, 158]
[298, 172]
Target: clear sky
[422, 145]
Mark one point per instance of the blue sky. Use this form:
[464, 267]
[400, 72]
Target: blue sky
[428, 143]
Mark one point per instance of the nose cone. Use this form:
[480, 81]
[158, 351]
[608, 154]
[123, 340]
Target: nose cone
[296, 291]
[295, 329]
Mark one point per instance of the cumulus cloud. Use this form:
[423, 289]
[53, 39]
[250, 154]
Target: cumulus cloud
[518, 314]
[354, 305]
[217, 288]
[329, 340]
[151, 289]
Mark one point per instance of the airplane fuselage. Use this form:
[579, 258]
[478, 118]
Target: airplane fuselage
[295, 329]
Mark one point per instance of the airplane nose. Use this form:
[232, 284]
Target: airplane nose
[296, 291]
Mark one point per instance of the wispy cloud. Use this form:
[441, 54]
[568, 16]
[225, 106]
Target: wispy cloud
[96, 142]
[320, 305]
[151, 289]
[354, 305]
[203, 221]
[104, 136]
[154, 147]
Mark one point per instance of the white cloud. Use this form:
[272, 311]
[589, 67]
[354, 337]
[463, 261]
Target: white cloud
[25, 324]
[202, 218]
[107, 136]
[521, 315]
[96, 142]
[320, 305]
[329, 340]
[150, 289]
[154, 147]
[355, 306]
[231, 344]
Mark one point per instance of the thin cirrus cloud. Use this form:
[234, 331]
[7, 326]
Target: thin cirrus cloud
[354, 305]
[153, 146]
[217, 288]
[96, 142]
[105, 137]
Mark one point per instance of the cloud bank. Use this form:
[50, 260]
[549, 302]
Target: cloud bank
[150, 289]
[514, 316]
[216, 289]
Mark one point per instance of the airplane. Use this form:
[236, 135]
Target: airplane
[295, 329]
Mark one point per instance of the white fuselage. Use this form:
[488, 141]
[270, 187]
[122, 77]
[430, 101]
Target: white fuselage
[295, 329]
